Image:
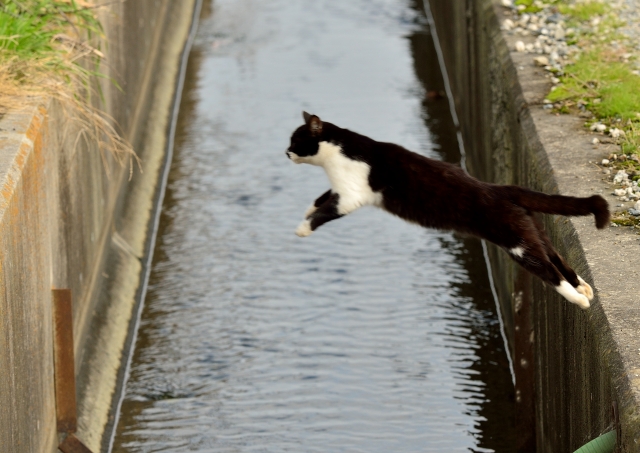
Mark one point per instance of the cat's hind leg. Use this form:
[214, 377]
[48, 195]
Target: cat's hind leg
[567, 272]
[531, 253]
[537, 262]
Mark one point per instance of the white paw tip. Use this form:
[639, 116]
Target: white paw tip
[582, 302]
[304, 229]
[310, 211]
[573, 295]
[585, 289]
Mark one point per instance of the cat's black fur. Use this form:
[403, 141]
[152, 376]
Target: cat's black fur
[439, 195]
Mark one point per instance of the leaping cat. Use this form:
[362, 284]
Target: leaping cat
[415, 188]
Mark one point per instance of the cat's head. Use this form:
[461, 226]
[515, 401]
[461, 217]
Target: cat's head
[305, 141]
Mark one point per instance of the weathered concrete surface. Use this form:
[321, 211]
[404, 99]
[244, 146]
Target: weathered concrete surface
[71, 218]
[585, 361]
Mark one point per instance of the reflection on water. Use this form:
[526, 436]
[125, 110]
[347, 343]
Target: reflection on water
[371, 335]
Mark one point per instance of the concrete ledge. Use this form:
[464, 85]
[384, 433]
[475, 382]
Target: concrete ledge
[584, 372]
[71, 218]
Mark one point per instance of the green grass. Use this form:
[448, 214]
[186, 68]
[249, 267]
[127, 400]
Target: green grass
[529, 6]
[583, 11]
[610, 88]
[48, 47]
[47, 33]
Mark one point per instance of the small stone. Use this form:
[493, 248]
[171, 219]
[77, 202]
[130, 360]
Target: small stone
[507, 3]
[541, 61]
[555, 80]
[520, 47]
[620, 192]
[634, 212]
[508, 24]
[601, 127]
[616, 133]
[595, 141]
[604, 161]
[559, 33]
[621, 177]
[637, 206]
[606, 171]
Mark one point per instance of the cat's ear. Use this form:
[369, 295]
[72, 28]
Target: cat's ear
[315, 125]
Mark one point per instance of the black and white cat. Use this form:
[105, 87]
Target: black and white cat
[415, 188]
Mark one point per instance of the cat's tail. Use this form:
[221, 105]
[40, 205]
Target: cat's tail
[563, 205]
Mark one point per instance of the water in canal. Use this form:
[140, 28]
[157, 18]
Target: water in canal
[371, 335]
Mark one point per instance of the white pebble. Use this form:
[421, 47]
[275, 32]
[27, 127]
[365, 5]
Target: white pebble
[621, 177]
[637, 206]
[541, 61]
[520, 47]
[615, 132]
[595, 141]
[507, 3]
[508, 24]
[620, 192]
[601, 127]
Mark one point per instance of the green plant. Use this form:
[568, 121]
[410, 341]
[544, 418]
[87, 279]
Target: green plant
[51, 47]
[609, 86]
[584, 10]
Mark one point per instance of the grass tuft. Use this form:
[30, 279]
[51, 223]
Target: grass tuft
[608, 85]
[47, 48]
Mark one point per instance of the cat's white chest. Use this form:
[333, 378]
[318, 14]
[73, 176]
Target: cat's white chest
[349, 178]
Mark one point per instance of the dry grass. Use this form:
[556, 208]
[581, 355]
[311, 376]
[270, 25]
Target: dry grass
[50, 48]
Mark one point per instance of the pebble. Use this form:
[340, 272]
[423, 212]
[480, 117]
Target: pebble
[595, 141]
[541, 61]
[604, 161]
[616, 133]
[621, 177]
[520, 47]
[634, 212]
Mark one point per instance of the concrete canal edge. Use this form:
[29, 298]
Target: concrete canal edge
[73, 218]
[577, 372]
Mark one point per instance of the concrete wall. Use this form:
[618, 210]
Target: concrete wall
[572, 367]
[70, 217]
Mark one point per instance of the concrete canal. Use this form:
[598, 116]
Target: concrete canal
[371, 335]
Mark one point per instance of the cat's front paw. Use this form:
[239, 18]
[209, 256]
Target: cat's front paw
[304, 229]
[310, 210]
